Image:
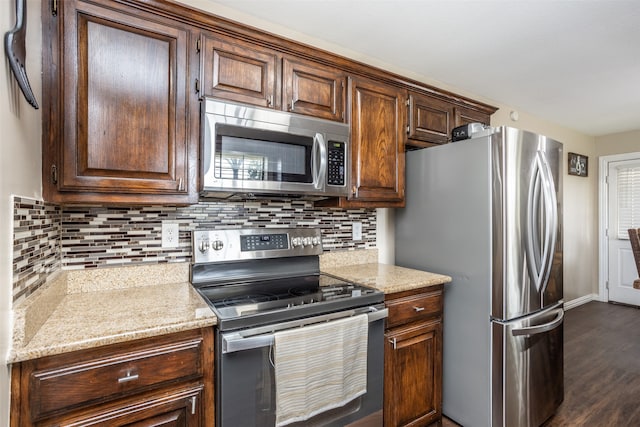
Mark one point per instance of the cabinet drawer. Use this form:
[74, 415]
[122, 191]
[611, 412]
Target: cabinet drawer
[80, 382]
[413, 308]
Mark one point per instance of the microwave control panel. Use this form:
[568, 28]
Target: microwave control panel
[337, 163]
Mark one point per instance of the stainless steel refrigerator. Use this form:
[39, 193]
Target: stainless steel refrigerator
[487, 211]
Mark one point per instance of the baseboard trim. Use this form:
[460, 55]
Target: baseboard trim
[580, 300]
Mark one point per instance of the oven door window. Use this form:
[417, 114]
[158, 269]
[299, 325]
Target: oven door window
[248, 154]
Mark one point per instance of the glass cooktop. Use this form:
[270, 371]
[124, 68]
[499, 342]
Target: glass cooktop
[286, 298]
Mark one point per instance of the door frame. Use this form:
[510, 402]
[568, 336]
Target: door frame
[603, 219]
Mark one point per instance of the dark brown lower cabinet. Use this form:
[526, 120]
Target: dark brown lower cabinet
[160, 381]
[413, 359]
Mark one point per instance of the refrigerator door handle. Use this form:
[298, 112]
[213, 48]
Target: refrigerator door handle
[540, 259]
[551, 218]
[539, 329]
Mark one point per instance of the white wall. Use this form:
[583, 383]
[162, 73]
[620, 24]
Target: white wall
[20, 172]
[580, 194]
[618, 143]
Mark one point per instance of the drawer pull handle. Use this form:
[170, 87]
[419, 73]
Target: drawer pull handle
[394, 342]
[193, 405]
[418, 309]
[128, 378]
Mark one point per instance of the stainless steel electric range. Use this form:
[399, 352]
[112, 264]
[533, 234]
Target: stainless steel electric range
[262, 281]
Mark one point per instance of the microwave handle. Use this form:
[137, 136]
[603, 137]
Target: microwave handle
[319, 161]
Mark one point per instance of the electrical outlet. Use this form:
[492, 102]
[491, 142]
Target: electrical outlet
[356, 231]
[170, 234]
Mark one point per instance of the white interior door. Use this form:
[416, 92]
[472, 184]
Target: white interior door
[623, 212]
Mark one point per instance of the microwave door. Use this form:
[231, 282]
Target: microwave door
[264, 161]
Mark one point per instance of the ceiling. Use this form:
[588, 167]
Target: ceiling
[572, 62]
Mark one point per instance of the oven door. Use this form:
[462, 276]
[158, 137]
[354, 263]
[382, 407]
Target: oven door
[245, 383]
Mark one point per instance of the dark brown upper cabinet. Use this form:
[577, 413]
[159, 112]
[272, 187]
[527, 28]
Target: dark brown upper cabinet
[378, 135]
[430, 119]
[248, 73]
[463, 116]
[312, 89]
[239, 71]
[117, 121]
[377, 141]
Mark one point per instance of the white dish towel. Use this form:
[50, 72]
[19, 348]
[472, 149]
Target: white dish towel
[319, 367]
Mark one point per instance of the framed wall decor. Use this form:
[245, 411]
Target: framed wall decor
[578, 164]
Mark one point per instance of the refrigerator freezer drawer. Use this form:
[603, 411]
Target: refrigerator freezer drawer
[527, 381]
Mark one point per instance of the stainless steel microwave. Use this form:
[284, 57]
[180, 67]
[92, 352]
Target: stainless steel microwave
[249, 151]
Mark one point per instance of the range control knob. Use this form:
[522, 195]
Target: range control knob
[296, 241]
[306, 241]
[217, 245]
[203, 246]
[315, 241]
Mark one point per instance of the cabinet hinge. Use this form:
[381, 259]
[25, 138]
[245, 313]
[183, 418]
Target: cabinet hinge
[197, 85]
[193, 405]
[54, 7]
[408, 130]
[198, 42]
[607, 284]
[54, 174]
[407, 103]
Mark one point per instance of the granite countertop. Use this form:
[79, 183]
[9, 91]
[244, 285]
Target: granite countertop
[362, 267]
[82, 309]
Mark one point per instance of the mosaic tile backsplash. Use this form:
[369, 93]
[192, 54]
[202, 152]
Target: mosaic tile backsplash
[36, 244]
[93, 237]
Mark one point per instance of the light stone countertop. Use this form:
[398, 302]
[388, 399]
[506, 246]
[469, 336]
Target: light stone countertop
[387, 278]
[81, 309]
[361, 267]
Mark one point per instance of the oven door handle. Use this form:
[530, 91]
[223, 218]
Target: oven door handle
[260, 337]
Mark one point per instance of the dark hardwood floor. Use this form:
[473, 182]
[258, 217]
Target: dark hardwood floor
[601, 367]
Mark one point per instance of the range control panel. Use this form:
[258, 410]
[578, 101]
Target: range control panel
[243, 244]
[264, 242]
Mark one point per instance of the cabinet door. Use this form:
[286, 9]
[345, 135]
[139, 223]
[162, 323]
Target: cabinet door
[121, 106]
[239, 71]
[313, 89]
[464, 116]
[377, 141]
[430, 119]
[413, 375]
